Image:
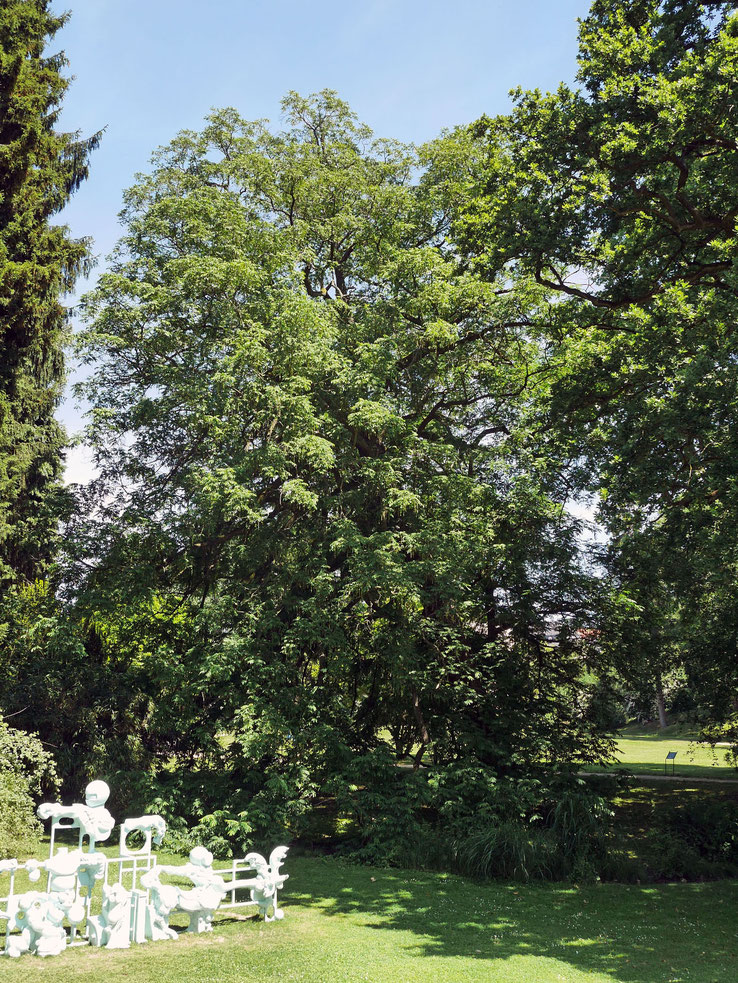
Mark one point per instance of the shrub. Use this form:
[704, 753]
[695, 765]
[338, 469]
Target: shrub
[709, 828]
[19, 828]
[23, 754]
[578, 820]
[695, 839]
[509, 850]
[386, 805]
[26, 771]
[670, 858]
[468, 818]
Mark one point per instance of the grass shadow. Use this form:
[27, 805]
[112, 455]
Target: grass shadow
[634, 934]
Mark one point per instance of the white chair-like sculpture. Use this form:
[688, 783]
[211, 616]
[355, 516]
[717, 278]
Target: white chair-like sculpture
[35, 920]
[91, 819]
[200, 901]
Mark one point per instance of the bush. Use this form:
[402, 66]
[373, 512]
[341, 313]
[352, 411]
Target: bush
[23, 754]
[578, 820]
[26, 771]
[709, 828]
[19, 829]
[465, 817]
[695, 839]
[509, 850]
[619, 864]
[248, 794]
[670, 858]
[386, 805]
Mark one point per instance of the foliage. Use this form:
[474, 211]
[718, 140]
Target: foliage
[39, 169]
[58, 680]
[20, 831]
[26, 769]
[464, 817]
[618, 197]
[317, 517]
[708, 828]
[342, 394]
[694, 840]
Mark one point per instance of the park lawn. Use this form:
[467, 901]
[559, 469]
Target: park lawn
[643, 750]
[678, 729]
[349, 924]
[645, 755]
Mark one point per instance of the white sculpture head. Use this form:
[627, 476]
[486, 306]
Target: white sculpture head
[116, 894]
[96, 794]
[200, 856]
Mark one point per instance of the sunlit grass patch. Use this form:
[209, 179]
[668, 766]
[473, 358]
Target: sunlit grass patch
[369, 925]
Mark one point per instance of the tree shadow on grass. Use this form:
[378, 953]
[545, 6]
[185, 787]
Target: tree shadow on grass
[635, 934]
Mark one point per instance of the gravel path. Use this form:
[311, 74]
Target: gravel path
[670, 778]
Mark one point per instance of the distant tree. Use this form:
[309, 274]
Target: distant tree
[620, 199]
[39, 169]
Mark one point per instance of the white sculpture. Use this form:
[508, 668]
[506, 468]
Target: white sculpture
[92, 819]
[136, 915]
[268, 881]
[153, 828]
[201, 900]
[66, 870]
[112, 928]
[164, 898]
[40, 919]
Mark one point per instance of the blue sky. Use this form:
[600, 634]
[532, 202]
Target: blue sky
[409, 68]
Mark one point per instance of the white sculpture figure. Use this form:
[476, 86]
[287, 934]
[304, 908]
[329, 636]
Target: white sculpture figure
[40, 919]
[91, 869]
[111, 929]
[164, 898]
[202, 899]
[268, 881]
[64, 869]
[208, 891]
[153, 828]
[40, 915]
[92, 819]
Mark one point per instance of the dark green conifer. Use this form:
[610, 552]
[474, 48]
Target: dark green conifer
[39, 261]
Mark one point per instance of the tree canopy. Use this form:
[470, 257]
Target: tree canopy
[618, 198]
[39, 169]
[307, 422]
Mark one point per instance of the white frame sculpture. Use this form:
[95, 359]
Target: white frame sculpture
[128, 915]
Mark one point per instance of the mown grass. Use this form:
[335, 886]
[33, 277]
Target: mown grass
[360, 925]
[687, 731]
[642, 749]
[646, 755]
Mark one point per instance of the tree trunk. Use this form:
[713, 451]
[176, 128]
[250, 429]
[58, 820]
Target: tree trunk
[422, 731]
[663, 722]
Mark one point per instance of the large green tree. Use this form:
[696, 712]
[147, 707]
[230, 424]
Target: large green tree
[619, 198]
[39, 169]
[317, 521]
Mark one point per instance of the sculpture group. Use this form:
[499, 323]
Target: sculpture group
[135, 904]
